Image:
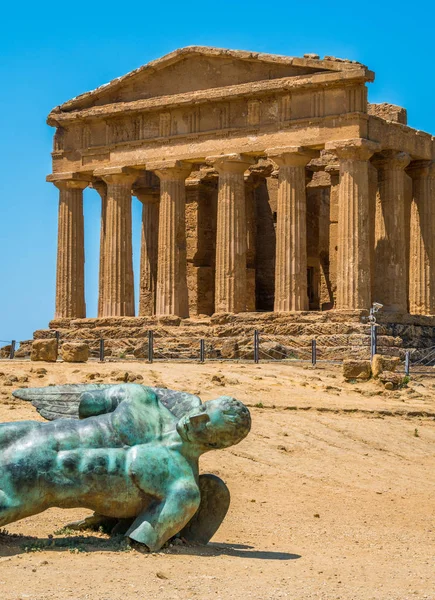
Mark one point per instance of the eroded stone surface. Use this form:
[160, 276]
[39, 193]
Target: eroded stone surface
[267, 182]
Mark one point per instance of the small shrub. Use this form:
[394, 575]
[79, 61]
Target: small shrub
[259, 405]
[416, 434]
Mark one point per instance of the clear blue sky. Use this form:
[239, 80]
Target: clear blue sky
[50, 52]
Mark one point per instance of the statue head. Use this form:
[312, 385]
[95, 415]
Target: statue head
[215, 424]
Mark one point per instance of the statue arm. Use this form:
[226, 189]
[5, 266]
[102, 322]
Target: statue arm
[164, 519]
[99, 402]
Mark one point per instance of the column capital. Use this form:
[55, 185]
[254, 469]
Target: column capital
[419, 169]
[70, 184]
[353, 149]
[291, 156]
[148, 195]
[170, 169]
[231, 163]
[117, 174]
[99, 186]
[391, 159]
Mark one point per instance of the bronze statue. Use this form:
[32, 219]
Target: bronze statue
[131, 457]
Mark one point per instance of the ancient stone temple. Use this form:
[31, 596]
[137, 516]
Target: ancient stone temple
[268, 184]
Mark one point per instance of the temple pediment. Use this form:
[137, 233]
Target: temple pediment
[195, 69]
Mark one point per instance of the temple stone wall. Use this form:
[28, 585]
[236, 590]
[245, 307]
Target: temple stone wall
[268, 185]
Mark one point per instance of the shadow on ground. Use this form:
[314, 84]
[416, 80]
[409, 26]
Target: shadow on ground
[11, 545]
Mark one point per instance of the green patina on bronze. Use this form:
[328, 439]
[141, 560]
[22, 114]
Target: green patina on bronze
[129, 458]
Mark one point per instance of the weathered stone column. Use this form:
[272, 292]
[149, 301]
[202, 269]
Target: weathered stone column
[171, 294]
[70, 272]
[117, 297]
[148, 249]
[353, 255]
[101, 188]
[230, 279]
[334, 193]
[251, 184]
[291, 229]
[422, 245]
[390, 253]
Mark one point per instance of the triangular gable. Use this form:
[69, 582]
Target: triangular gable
[199, 68]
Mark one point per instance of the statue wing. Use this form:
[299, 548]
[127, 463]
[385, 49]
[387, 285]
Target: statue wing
[63, 401]
[215, 501]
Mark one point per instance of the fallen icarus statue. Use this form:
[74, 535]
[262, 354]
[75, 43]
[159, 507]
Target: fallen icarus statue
[128, 452]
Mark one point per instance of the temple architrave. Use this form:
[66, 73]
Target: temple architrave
[268, 184]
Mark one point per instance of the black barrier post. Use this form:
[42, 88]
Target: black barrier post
[12, 352]
[57, 336]
[256, 346]
[150, 346]
[313, 352]
[101, 350]
[407, 361]
[201, 351]
[373, 340]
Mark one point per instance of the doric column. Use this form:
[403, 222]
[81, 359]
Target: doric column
[422, 247]
[334, 192]
[353, 239]
[101, 188]
[252, 181]
[171, 294]
[148, 250]
[230, 278]
[291, 229]
[70, 273]
[117, 297]
[390, 253]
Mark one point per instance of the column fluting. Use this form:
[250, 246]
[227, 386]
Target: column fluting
[230, 277]
[171, 293]
[70, 271]
[291, 229]
[390, 252]
[422, 247]
[353, 238]
[117, 277]
[148, 250]
[101, 188]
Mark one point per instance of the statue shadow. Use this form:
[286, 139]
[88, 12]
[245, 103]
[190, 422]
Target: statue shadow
[12, 545]
[235, 550]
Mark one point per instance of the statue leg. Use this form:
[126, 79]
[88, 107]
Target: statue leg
[215, 501]
[93, 523]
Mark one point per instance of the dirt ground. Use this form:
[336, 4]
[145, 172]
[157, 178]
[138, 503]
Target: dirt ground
[333, 495]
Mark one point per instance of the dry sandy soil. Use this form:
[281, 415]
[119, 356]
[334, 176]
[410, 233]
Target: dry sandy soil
[333, 496]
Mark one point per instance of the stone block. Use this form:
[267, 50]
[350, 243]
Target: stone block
[75, 352]
[230, 349]
[141, 350]
[391, 380]
[45, 350]
[384, 363]
[356, 369]
[5, 351]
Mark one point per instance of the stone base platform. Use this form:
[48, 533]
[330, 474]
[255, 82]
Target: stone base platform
[338, 335]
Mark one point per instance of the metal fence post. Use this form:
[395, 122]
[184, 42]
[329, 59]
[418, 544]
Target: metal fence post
[256, 346]
[373, 340]
[150, 346]
[12, 352]
[101, 350]
[201, 351]
[407, 361]
[57, 336]
[313, 352]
